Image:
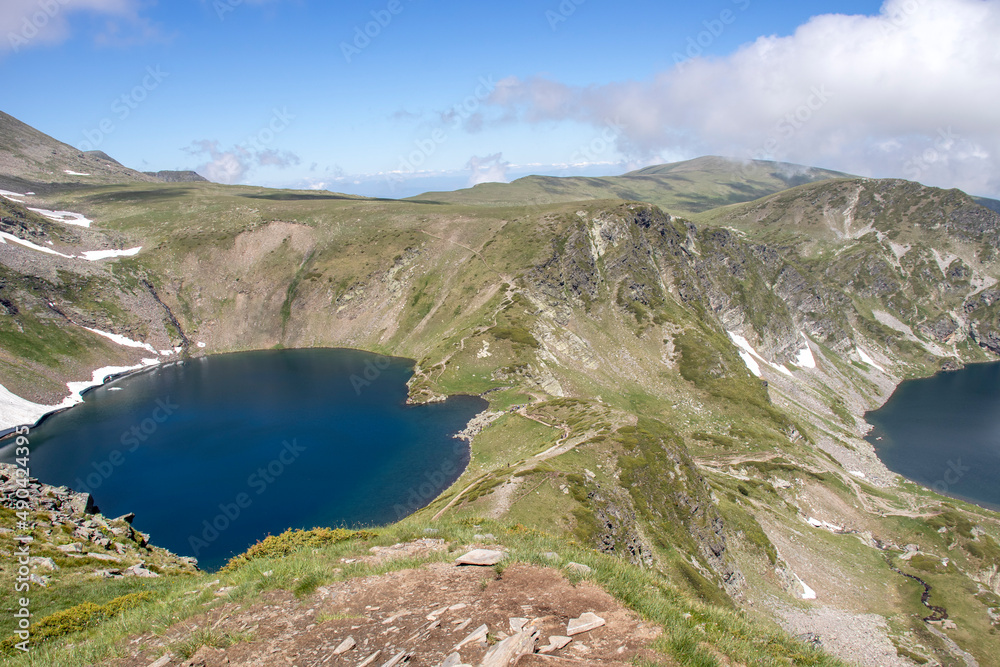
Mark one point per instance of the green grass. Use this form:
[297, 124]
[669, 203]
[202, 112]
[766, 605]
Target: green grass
[690, 628]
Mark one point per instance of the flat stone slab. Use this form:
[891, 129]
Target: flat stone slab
[587, 622]
[345, 646]
[556, 642]
[482, 557]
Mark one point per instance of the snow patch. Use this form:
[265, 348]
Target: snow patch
[816, 523]
[200, 344]
[485, 352]
[4, 237]
[7, 194]
[750, 356]
[73, 173]
[95, 255]
[16, 411]
[122, 340]
[750, 362]
[807, 593]
[65, 217]
[805, 358]
[868, 360]
[90, 255]
[857, 473]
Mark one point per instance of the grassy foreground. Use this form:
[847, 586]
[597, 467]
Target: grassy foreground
[694, 633]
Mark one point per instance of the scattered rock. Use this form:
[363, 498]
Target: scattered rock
[550, 555]
[140, 570]
[477, 634]
[488, 537]
[453, 660]
[556, 642]
[511, 649]
[587, 622]
[517, 624]
[480, 557]
[163, 661]
[395, 660]
[75, 548]
[44, 563]
[578, 568]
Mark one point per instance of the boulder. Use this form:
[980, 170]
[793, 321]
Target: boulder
[480, 557]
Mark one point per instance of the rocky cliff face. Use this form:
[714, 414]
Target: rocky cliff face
[69, 538]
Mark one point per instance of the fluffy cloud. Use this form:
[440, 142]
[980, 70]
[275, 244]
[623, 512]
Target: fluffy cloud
[489, 169]
[29, 23]
[232, 165]
[911, 92]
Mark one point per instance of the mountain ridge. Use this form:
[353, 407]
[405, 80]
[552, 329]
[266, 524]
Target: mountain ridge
[612, 341]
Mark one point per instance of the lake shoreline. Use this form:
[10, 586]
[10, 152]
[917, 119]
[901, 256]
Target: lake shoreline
[947, 414]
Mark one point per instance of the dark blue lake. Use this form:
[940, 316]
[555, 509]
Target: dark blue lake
[289, 439]
[944, 432]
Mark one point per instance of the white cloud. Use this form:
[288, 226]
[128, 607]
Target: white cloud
[232, 165]
[489, 169]
[911, 92]
[30, 23]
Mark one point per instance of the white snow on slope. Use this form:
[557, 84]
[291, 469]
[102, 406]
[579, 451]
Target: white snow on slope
[74, 173]
[746, 352]
[868, 360]
[16, 411]
[94, 255]
[122, 340]
[89, 255]
[65, 217]
[816, 523]
[4, 237]
[807, 593]
[805, 359]
[750, 355]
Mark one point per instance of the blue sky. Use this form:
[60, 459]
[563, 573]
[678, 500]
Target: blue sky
[266, 92]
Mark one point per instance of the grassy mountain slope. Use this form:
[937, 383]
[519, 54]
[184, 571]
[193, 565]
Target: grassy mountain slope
[686, 187]
[623, 419]
[30, 156]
